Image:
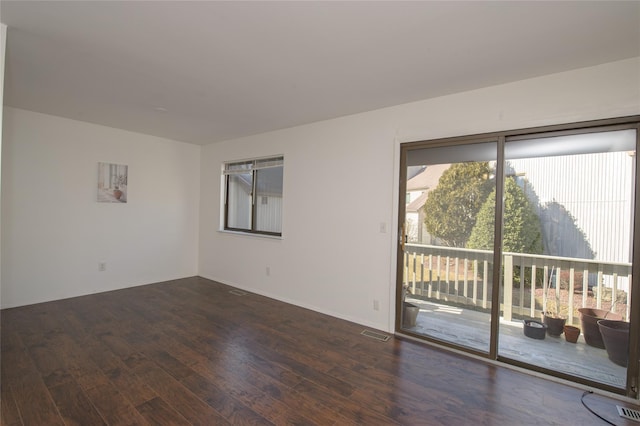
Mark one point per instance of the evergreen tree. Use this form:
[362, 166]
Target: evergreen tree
[522, 231]
[452, 207]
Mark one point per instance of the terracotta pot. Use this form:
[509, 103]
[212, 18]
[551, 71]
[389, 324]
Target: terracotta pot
[589, 318]
[571, 333]
[117, 194]
[615, 335]
[554, 324]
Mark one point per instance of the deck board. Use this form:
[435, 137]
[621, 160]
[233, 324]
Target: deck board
[470, 329]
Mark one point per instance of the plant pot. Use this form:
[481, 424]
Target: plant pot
[571, 333]
[615, 335]
[589, 318]
[534, 329]
[409, 314]
[554, 324]
[117, 194]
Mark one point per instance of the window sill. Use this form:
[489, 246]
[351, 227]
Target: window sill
[251, 234]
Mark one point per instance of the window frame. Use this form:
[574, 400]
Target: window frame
[249, 166]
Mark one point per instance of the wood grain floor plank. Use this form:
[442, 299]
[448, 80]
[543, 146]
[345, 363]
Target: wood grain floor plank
[114, 408]
[237, 384]
[178, 396]
[158, 412]
[34, 401]
[74, 406]
[16, 362]
[132, 387]
[9, 414]
[233, 410]
[78, 363]
[190, 352]
[50, 365]
[353, 412]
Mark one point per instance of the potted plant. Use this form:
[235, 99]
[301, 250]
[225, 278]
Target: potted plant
[409, 310]
[555, 324]
[551, 317]
[119, 185]
[571, 333]
[589, 318]
[117, 193]
[615, 335]
[534, 329]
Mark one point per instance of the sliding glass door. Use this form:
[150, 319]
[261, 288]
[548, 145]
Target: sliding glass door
[567, 251]
[447, 285]
[512, 242]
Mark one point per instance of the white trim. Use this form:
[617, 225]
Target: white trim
[251, 234]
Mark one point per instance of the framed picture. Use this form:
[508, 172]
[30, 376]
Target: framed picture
[112, 183]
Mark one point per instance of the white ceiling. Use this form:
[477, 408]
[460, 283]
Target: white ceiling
[203, 72]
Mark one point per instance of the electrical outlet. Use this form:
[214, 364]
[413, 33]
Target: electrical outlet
[102, 266]
[376, 305]
[268, 271]
[383, 227]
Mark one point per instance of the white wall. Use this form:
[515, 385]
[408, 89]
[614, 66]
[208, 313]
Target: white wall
[54, 233]
[341, 184]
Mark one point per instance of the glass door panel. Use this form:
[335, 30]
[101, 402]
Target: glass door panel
[566, 253]
[447, 277]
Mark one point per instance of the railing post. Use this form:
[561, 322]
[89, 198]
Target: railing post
[532, 306]
[448, 279]
[485, 285]
[507, 302]
[413, 277]
[439, 277]
[475, 282]
[422, 274]
[600, 285]
[466, 281]
[571, 290]
[557, 292]
[614, 292]
[456, 286]
[430, 275]
[545, 288]
[585, 286]
[523, 272]
[405, 275]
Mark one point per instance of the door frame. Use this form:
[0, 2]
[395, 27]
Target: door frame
[630, 122]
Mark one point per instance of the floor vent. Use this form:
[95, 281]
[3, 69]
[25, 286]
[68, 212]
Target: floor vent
[628, 413]
[374, 335]
[238, 292]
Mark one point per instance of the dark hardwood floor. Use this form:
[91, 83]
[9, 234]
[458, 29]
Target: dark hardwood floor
[189, 352]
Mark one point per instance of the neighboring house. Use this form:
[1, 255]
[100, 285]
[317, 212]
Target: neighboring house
[580, 219]
[423, 180]
[592, 217]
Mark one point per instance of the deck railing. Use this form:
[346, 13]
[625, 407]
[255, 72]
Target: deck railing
[532, 283]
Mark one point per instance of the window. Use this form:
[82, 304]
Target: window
[253, 196]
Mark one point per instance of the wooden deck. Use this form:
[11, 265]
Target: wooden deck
[190, 352]
[471, 329]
